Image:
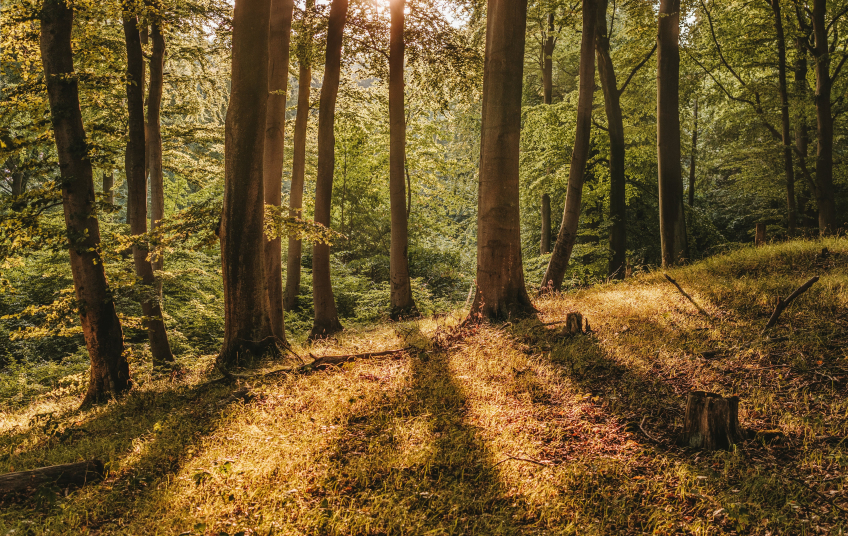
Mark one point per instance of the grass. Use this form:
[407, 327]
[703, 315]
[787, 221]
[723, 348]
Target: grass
[496, 429]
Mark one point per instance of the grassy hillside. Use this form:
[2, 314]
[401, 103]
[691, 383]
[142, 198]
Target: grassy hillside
[509, 429]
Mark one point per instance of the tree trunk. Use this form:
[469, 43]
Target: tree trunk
[548, 64]
[247, 322]
[144, 39]
[326, 320]
[694, 159]
[824, 120]
[672, 222]
[579, 156]
[154, 137]
[18, 183]
[760, 235]
[304, 83]
[801, 134]
[615, 124]
[501, 292]
[711, 422]
[275, 128]
[136, 183]
[788, 166]
[402, 304]
[109, 372]
[546, 225]
[108, 185]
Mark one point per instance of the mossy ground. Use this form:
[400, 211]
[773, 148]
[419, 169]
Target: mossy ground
[496, 429]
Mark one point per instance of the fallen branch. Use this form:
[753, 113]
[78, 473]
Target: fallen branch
[69, 474]
[528, 460]
[687, 296]
[783, 304]
[649, 436]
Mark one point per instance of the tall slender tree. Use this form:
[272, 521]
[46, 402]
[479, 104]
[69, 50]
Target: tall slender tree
[501, 292]
[694, 156]
[109, 371]
[134, 164]
[788, 165]
[402, 304]
[247, 321]
[154, 127]
[548, 62]
[552, 281]
[326, 319]
[304, 87]
[275, 127]
[672, 222]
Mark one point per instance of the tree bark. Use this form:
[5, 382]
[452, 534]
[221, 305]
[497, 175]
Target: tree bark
[402, 304]
[154, 136]
[546, 225]
[711, 422]
[824, 119]
[109, 371]
[615, 124]
[501, 292]
[136, 183]
[694, 159]
[326, 320]
[247, 323]
[788, 165]
[301, 123]
[801, 134]
[552, 281]
[672, 222]
[275, 128]
[548, 63]
[108, 185]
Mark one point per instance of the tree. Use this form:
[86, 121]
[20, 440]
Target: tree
[109, 372]
[326, 319]
[500, 274]
[615, 129]
[137, 184]
[304, 86]
[672, 222]
[548, 62]
[693, 158]
[402, 304]
[154, 127]
[564, 244]
[275, 127]
[247, 322]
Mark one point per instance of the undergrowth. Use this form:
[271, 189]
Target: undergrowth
[491, 429]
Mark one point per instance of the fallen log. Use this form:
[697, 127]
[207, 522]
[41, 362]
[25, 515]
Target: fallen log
[687, 296]
[783, 304]
[69, 474]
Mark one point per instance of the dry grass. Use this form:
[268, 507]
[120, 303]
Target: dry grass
[506, 429]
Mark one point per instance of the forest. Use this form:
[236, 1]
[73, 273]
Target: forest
[372, 267]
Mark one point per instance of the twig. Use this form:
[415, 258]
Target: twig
[783, 304]
[687, 296]
[649, 436]
[831, 500]
[528, 460]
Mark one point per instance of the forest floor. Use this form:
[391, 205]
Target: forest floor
[497, 429]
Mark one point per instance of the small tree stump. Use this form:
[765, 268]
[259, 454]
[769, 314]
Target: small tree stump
[573, 325]
[712, 422]
[69, 474]
[760, 237]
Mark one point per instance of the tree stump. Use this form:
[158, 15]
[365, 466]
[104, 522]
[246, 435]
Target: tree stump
[712, 422]
[69, 474]
[760, 237]
[573, 325]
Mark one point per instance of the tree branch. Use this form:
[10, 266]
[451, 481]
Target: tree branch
[633, 72]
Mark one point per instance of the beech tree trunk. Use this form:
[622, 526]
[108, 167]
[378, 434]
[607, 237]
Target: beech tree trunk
[548, 63]
[109, 371]
[326, 320]
[788, 166]
[247, 322]
[694, 159]
[402, 304]
[615, 124]
[546, 225]
[275, 129]
[108, 185]
[501, 292]
[802, 141]
[824, 119]
[136, 183]
[672, 222]
[552, 281]
[304, 83]
[154, 136]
